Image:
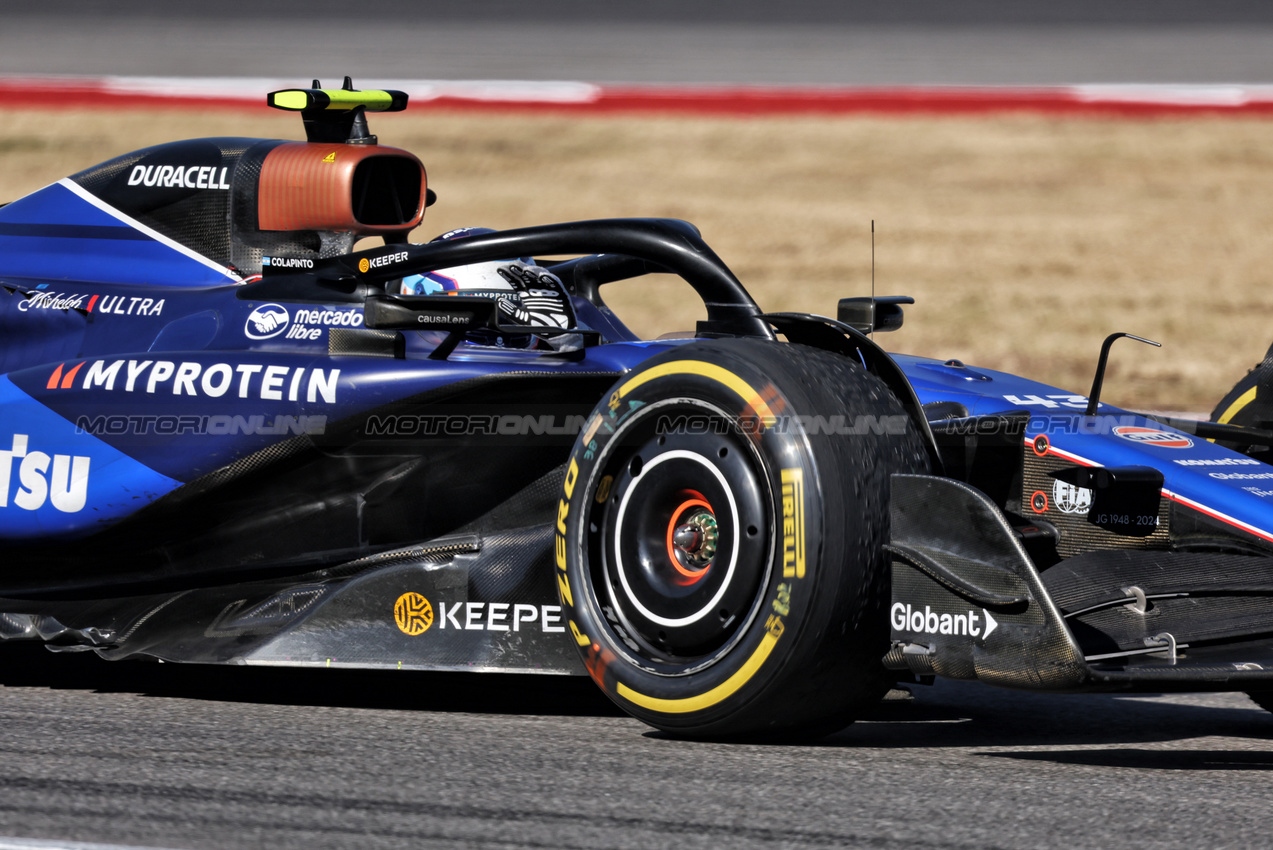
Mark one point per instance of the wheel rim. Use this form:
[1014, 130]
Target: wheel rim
[679, 547]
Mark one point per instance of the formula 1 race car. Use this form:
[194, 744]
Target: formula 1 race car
[227, 437]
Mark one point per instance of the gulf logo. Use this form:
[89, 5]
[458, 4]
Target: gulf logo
[1153, 437]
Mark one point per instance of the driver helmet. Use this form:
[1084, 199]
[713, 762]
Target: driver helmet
[527, 294]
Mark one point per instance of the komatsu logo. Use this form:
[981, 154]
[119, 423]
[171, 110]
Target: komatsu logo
[905, 618]
[42, 478]
[179, 176]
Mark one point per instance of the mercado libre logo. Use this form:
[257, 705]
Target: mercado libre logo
[1153, 437]
[268, 320]
[413, 613]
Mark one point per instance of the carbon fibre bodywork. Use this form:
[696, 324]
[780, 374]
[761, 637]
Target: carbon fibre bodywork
[1093, 551]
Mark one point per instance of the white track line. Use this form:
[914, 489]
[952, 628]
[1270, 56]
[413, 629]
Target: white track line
[7, 843]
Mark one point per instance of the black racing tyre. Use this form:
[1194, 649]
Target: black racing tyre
[719, 538]
[1249, 404]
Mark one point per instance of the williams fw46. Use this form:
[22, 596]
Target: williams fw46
[227, 437]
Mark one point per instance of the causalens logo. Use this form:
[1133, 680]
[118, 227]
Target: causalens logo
[60, 480]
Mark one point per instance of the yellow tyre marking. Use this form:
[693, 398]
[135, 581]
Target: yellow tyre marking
[717, 694]
[592, 428]
[1236, 408]
[793, 563]
[710, 371]
[743, 675]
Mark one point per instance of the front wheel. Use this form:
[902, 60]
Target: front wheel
[719, 538]
[1249, 404]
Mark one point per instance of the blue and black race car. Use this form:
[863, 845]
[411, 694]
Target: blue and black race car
[227, 437]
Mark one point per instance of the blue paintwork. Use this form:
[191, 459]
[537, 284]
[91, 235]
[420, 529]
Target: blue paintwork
[55, 482]
[1219, 480]
[288, 390]
[54, 234]
[131, 358]
[208, 385]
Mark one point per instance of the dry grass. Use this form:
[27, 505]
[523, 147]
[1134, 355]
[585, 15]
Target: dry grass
[1025, 240]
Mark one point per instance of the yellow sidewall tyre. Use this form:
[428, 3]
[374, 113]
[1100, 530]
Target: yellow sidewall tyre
[1249, 404]
[719, 538]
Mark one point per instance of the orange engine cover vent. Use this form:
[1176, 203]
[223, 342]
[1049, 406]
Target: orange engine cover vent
[365, 189]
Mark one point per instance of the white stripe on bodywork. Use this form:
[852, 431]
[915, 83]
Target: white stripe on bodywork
[88, 196]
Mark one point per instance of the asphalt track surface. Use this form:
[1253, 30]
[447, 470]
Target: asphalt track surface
[148, 755]
[831, 42]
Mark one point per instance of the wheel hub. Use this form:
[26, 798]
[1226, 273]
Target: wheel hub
[680, 544]
[695, 541]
